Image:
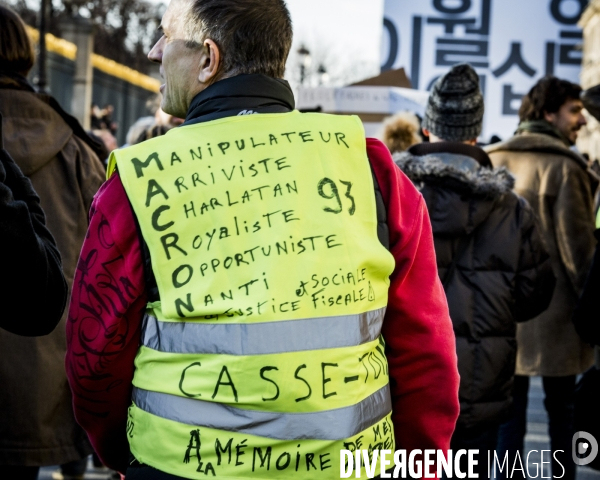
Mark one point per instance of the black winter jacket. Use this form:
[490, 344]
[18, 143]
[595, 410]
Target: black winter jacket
[503, 274]
[586, 316]
[32, 285]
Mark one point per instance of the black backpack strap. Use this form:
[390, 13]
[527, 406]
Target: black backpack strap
[151, 287]
[383, 231]
[149, 278]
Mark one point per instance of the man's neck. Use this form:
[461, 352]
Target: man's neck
[545, 128]
[241, 95]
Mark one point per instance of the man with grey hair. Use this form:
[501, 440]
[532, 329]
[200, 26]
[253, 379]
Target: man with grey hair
[243, 262]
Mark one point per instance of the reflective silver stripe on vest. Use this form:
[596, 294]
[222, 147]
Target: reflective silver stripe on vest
[337, 424]
[263, 338]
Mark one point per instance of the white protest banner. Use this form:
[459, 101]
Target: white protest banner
[363, 100]
[387, 100]
[511, 44]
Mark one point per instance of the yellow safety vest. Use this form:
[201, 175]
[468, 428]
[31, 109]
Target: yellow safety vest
[264, 357]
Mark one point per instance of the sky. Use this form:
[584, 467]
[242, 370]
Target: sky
[343, 35]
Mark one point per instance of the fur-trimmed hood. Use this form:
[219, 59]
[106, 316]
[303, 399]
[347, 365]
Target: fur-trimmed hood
[483, 181]
[458, 199]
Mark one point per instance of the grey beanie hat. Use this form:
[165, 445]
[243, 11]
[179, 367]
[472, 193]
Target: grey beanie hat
[455, 108]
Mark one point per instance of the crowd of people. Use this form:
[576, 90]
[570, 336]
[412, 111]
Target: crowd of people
[203, 309]
[513, 228]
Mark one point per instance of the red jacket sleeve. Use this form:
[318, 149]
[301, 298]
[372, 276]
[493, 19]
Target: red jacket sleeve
[420, 344]
[104, 324]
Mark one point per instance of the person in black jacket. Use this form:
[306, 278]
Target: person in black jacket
[33, 291]
[586, 316]
[490, 256]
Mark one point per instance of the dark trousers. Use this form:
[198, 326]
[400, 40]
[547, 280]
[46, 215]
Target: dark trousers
[19, 473]
[480, 439]
[558, 401]
[138, 471]
[76, 468]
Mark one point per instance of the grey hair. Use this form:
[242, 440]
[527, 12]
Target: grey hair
[253, 36]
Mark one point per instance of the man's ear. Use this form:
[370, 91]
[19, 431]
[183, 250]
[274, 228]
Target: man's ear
[210, 62]
[426, 132]
[550, 117]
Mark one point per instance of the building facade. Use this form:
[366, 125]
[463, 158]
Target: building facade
[127, 90]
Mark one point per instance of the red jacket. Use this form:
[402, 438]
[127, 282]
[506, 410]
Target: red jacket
[108, 302]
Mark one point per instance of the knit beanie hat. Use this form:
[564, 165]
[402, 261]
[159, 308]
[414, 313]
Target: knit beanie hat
[455, 108]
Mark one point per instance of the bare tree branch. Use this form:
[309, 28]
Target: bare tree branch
[125, 29]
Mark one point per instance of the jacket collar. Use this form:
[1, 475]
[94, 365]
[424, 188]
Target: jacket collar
[431, 168]
[241, 95]
[452, 148]
[539, 143]
[544, 128]
[14, 81]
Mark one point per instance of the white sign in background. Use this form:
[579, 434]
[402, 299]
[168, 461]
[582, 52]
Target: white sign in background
[511, 44]
[362, 99]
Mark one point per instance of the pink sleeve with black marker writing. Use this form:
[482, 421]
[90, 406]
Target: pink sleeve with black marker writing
[104, 323]
[108, 303]
[420, 343]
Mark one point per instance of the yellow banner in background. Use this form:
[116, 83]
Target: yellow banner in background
[68, 50]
